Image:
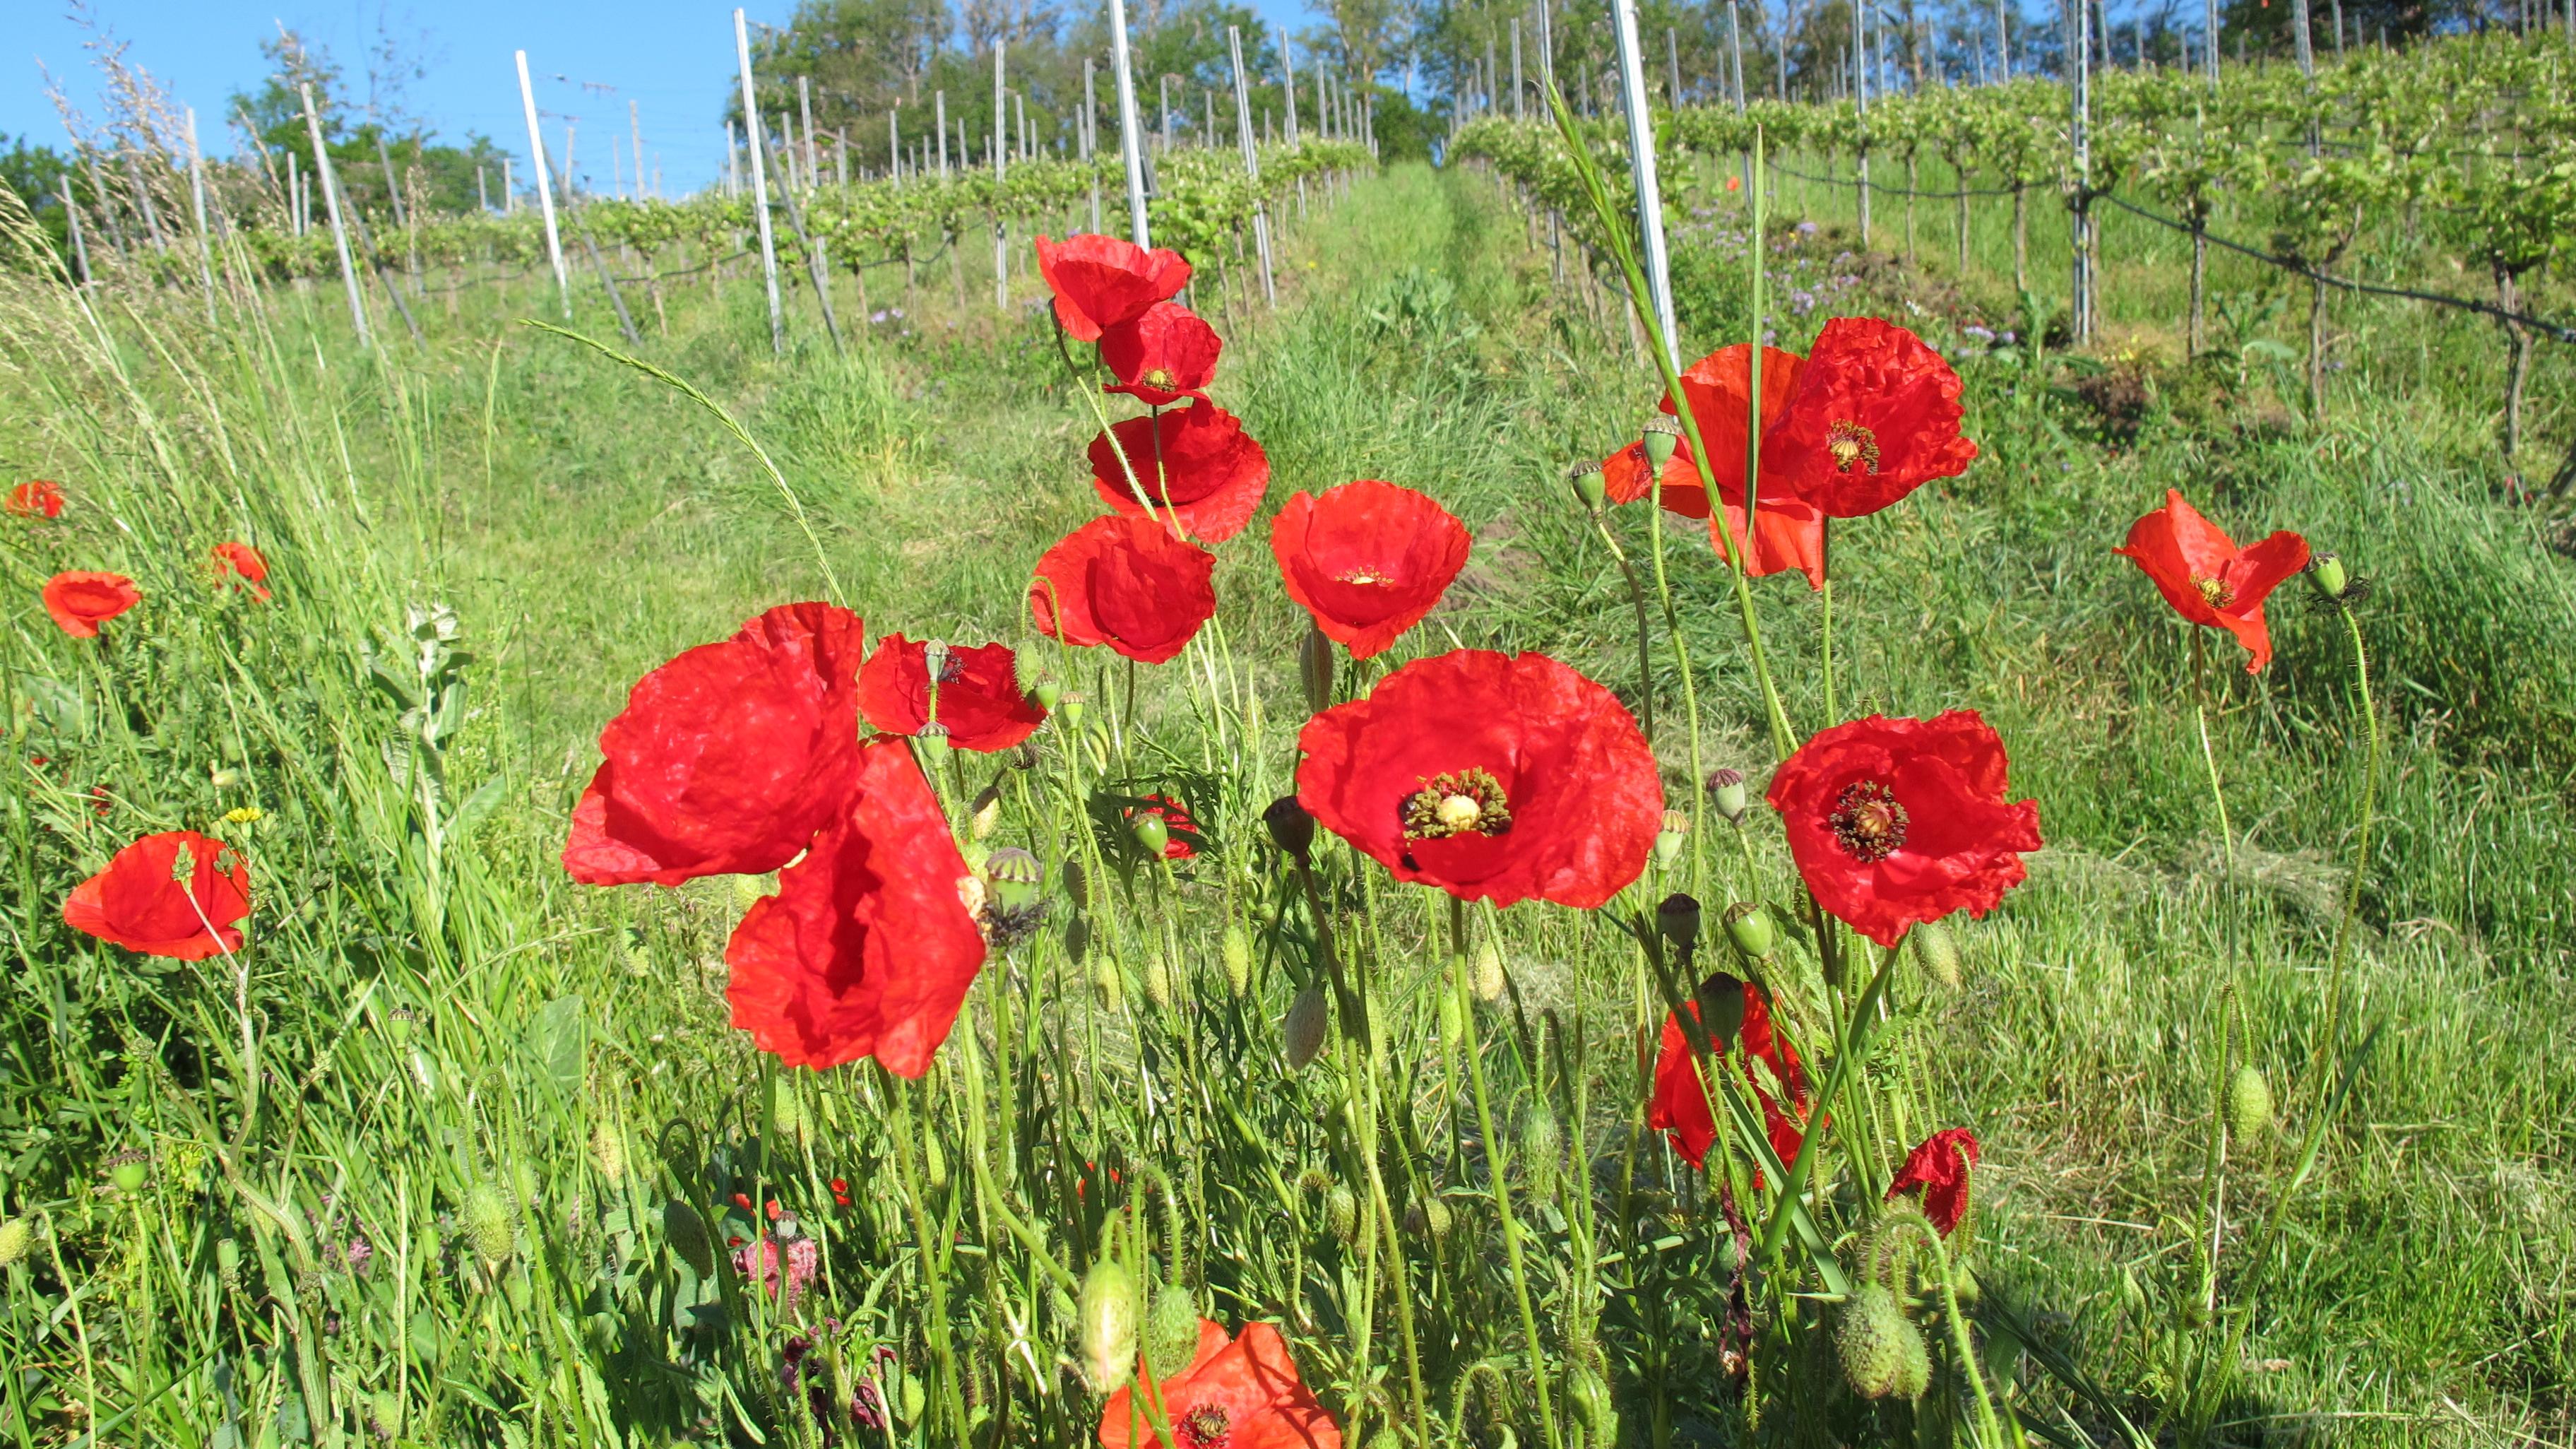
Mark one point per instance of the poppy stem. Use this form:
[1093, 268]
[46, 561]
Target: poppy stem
[1825, 590]
[1645, 633]
[934, 1278]
[2369, 712]
[1171, 514]
[1848, 1053]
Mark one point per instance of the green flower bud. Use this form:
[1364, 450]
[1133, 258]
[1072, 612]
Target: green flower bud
[224, 777]
[1488, 979]
[1106, 986]
[2249, 1104]
[1542, 1150]
[1317, 658]
[1236, 951]
[1721, 1009]
[1591, 490]
[489, 1226]
[608, 1150]
[1302, 1030]
[1726, 792]
[16, 1236]
[1751, 929]
[1936, 951]
[1171, 1337]
[2326, 575]
[1110, 1317]
[1158, 981]
[1429, 1219]
[1342, 1214]
[1870, 1340]
[1663, 434]
[1590, 1396]
[984, 816]
[1453, 1017]
[1077, 885]
[686, 1231]
[1913, 1363]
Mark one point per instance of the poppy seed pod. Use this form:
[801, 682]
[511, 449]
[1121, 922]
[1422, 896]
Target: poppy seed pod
[1750, 927]
[1668, 840]
[1315, 666]
[1291, 828]
[1591, 490]
[1663, 435]
[1015, 876]
[1870, 1341]
[1150, 832]
[2326, 575]
[1111, 1318]
[129, 1171]
[1046, 694]
[1721, 1009]
[1073, 702]
[1301, 1031]
[1678, 918]
[1937, 952]
[2249, 1104]
[934, 739]
[1726, 792]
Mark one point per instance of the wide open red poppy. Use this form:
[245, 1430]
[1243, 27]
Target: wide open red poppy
[1162, 355]
[979, 699]
[36, 498]
[1368, 560]
[1101, 281]
[1938, 1171]
[1875, 415]
[1243, 1394]
[2207, 578]
[1894, 821]
[1680, 1108]
[1125, 583]
[177, 894]
[243, 562]
[80, 602]
[1197, 463]
[728, 759]
[1492, 776]
[867, 949]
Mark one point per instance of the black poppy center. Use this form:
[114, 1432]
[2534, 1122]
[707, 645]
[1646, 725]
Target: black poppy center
[1868, 821]
[1852, 445]
[1462, 802]
[1205, 1427]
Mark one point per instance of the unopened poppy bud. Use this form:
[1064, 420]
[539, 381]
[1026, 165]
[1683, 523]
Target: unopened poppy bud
[1171, 1335]
[1591, 490]
[1235, 950]
[488, 1227]
[1726, 792]
[986, 814]
[1316, 661]
[1668, 840]
[1751, 929]
[1110, 1317]
[1291, 828]
[1077, 885]
[1592, 1407]
[686, 1231]
[1158, 981]
[2249, 1104]
[1913, 1364]
[15, 1236]
[1150, 832]
[1663, 435]
[934, 1165]
[1936, 951]
[608, 1151]
[1488, 978]
[1342, 1214]
[224, 778]
[1105, 985]
[1870, 1341]
[1678, 918]
[129, 1171]
[1542, 1148]
[1046, 694]
[1429, 1219]
[2326, 575]
[1301, 1031]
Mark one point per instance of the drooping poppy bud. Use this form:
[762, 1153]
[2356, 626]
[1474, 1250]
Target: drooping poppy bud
[1936, 951]
[1726, 793]
[1542, 1148]
[1110, 1318]
[1316, 662]
[1171, 1330]
[1870, 1341]
[1488, 979]
[489, 1228]
[1750, 927]
[1428, 1219]
[1663, 435]
[1235, 949]
[1342, 1214]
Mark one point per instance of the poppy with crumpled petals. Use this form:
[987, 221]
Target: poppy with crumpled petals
[2207, 578]
[1197, 464]
[36, 498]
[1938, 1171]
[730, 758]
[243, 562]
[1125, 583]
[1162, 355]
[1368, 560]
[1895, 821]
[145, 901]
[1238, 1394]
[1101, 281]
[79, 602]
[979, 699]
[1874, 416]
[1680, 1106]
[1491, 776]
[867, 948]
[1716, 387]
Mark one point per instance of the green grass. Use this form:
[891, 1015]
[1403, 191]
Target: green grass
[434, 1018]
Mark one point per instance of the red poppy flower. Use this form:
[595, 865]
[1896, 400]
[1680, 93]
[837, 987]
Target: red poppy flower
[80, 602]
[1367, 559]
[1243, 1394]
[1680, 1108]
[2207, 578]
[1125, 583]
[177, 894]
[1716, 388]
[1161, 355]
[730, 758]
[978, 698]
[1938, 1170]
[1182, 844]
[1101, 281]
[867, 949]
[1875, 415]
[1494, 777]
[36, 498]
[1200, 467]
[1894, 821]
[244, 563]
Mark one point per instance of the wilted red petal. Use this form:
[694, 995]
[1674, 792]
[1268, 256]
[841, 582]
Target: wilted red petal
[1368, 560]
[1162, 355]
[1101, 281]
[138, 903]
[245, 563]
[1195, 462]
[80, 602]
[980, 700]
[1939, 1170]
[2207, 578]
[1126, 583]
[36, 498]
[867, 949]
[1680, 1107]
[1875, 415]
[1244, 1394]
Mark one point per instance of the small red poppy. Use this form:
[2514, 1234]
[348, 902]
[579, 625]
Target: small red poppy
[1894, 821]
[177, 894]
[36, 498]
[978, 697]
[244, 563]
[2207, 578]
[1242, 1394]
[1875, 415]
[80, 602]
[1368, 560]
[1126, 583]
[742, 1200]
[1680, 1108]
[1101, 281]
[1494, 777]
[841, 1192]
[1182, 843]
[728, 759]
[1163, 354]
[1938, 1170]
[1197, 464]
[1735, 183]
[867, 949]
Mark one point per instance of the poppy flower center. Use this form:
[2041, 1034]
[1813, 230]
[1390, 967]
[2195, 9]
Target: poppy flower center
[1868, 821]
[1852, 445]
[1466, 802]
[1204, 1427]
[2214, 592]
[1362, 576]
[1160, 378]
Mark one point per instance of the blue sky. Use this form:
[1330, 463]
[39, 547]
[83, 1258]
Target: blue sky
[674, 58]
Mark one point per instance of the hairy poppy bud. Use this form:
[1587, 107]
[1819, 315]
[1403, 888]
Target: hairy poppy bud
[1678, 918]
[1913, 1363]
[1591, 490]
[1046, 694]
[1936, 951]
[1592, 1406]
[1236, 951]
[2249, 1104]
[1668, 840]
[129, 1171]
[1751, 929]
[1316, 662]
[1870, 1340]
[1488, 979]
[1150, 832]
[608, 1151]
[1542, 1146]
[1110, 1317]
[224, 777]
[1171, 1328]
[1077, 885]
[1291, 828]
[488, 1226]
[1302, 1030]
[1663, 435]
[1342, 1214]
[986, 813]
[2326, 575]
[15, 1236]
[1158, 981]
[1429, 1219]
[1726, 792]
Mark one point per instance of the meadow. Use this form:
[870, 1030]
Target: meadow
[458, 1151]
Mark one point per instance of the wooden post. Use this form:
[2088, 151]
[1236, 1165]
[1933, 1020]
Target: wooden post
[759, 186]
[894, 148]
[733, 160]
[1641, 166]
[939, 105]
[509, 189]
[805, 109]
[197, 190]
[1251, 164]
[339, 233]
[1672, 69]
[1735, 41]
[2079, 102]
[1130, 139]
[1520, 87]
